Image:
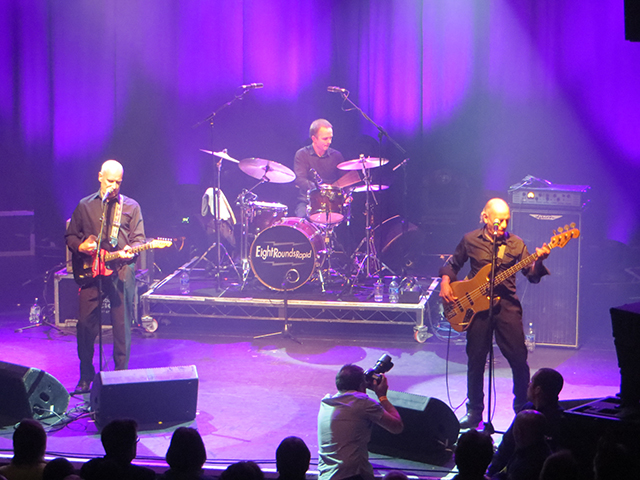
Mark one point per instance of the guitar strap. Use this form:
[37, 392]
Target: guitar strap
[115, 224]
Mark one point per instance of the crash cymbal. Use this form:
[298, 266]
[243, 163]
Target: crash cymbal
[273, 171]
[374, 188]
[222, 154]
[362, 162]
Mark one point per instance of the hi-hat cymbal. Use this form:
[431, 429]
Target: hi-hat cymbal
[363, 162]
[374, 188]
[222, 154]
[273, 171]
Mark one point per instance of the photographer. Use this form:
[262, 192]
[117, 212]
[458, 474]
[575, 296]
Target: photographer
[345, 422]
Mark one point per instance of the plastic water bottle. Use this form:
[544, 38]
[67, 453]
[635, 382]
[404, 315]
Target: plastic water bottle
[530, 338]
[378, 290]
[185, 289]
[394, 290]
[34, 313]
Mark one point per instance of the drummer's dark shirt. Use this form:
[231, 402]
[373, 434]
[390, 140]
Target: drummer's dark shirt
[327, 167]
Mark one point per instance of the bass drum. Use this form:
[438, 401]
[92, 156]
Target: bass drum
[286, 254]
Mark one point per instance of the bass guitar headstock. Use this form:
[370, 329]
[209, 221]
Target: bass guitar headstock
[564, 235]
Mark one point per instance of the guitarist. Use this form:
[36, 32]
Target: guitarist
[124, 229]
[477, 247]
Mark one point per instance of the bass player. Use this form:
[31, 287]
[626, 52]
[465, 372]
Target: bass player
[123, 230]
[477, 247]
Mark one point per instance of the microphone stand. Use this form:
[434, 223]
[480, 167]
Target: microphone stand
[488, 426]
[381, 133]
[286, 330]
[216, 191]
[97, 267]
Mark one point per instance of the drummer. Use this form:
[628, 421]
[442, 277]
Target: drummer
[318, 157]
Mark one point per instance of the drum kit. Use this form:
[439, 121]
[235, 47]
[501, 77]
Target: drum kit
[284, 252]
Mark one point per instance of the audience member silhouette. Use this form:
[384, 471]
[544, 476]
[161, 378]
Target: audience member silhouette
[561, 465]
[29, 445]
[544, 389]
[531, 450]
[473, 454]
[59, 469]
[613, 461]
[395, 475]
[292, 459]
[119, 439]
[186, 455]
[242, 471]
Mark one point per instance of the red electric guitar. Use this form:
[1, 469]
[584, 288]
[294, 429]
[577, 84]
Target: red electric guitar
[86, 268]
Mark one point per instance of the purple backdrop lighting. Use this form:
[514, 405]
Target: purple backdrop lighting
[210, 52]
[447, 59]
[83, 59]
[497, 90]
[286, 44]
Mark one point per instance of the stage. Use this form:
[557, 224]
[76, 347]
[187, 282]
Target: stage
[253, 392]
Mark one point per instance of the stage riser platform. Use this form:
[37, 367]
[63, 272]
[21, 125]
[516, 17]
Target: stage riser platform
[163, 300]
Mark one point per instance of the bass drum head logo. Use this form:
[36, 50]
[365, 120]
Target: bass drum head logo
[282, 257]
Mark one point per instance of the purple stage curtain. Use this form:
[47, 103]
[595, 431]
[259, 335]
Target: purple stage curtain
[490, 90]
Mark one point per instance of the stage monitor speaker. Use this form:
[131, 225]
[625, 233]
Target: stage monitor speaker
[625, 322]
[153, 397]
[430, 430]
[632, 20]
[553, 304]
[29, 393]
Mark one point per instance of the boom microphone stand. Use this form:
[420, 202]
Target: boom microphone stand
[216, 191]
[381, 134]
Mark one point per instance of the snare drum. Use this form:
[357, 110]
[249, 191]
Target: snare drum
[326, 205]
[262, 215]
[286, 254]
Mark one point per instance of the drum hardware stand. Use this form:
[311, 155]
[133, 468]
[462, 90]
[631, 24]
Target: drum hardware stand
[289, 277]
[226, 253]
[243, 200]
[329, 243]
[370, 262]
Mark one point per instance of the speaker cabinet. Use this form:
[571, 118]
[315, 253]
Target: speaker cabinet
[632, 20]
[150, 396]
[430, 430]
[29, 393]
[553, 304]
[625, 322]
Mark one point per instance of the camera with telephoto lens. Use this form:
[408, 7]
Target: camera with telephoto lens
[383, 365]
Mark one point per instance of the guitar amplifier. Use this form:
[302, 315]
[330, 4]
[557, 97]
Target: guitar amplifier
[65, 294]
[553, 304]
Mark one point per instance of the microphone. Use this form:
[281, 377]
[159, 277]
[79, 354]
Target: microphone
[251, 86]
[496, 224]
[337, 90]
[107, 193]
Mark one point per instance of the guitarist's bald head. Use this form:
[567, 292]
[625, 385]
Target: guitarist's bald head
[112, 166]
[496, 216]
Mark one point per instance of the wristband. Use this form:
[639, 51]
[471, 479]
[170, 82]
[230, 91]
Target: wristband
[383, 398]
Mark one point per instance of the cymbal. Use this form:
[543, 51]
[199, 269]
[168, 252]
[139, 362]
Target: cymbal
[350, 178]
[363, 162]
[273, 171]
[222, 154]
[374, 188]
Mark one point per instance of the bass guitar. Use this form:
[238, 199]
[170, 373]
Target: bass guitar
[472, 296]
[88, 267]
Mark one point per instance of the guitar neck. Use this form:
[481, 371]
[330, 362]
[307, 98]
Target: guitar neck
[113, 255]
[502, 276]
